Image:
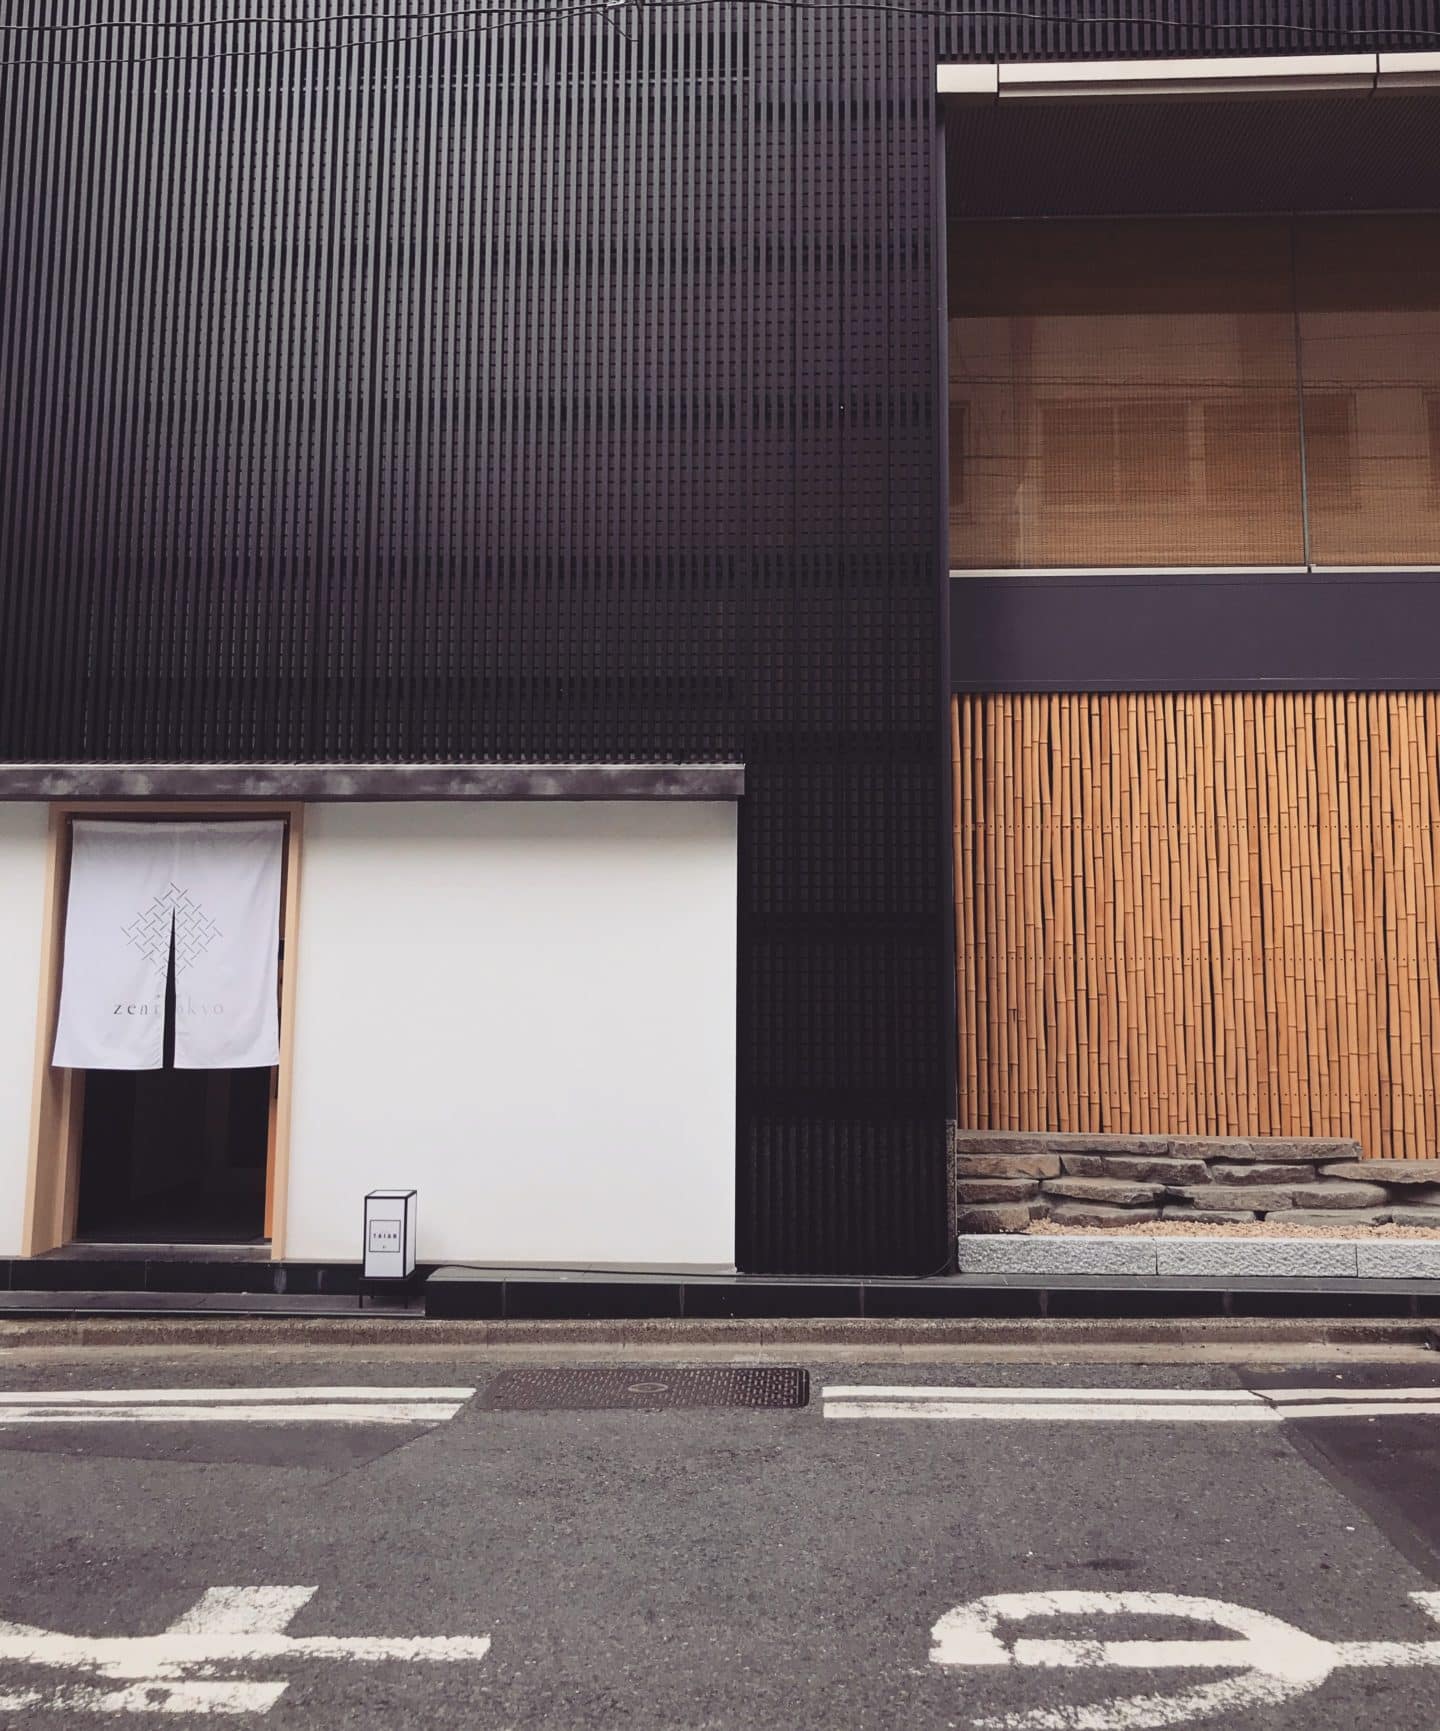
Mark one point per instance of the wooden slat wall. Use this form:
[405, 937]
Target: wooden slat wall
[1202, 914]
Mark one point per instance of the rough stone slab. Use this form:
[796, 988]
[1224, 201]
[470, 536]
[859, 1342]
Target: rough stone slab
[1139, 1147]
[1416, 1196]
[1323, 1195]
[1003, 1217]
[1250, 1197]
[1404, 1215]
[1057, 1142]
[997, 1190]
[1209, 1148]
[1246, 1256]
[1330, 1216]
[1098, 1214]
[1057, 1256]
[1261, 1172]
[1007, 1165]
[1386, 1171]
[1208, 1216]
[1108, 1190]
[1040, 1209]
[1284, 1149]
[1004, 1143]
[1398, 1259]
[1138, 1168]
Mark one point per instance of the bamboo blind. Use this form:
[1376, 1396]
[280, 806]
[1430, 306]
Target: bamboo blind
[1196, 914]
[1144, 391]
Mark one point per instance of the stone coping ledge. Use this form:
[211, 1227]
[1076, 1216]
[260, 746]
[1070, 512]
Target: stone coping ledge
[372, 781]
[1117, 1253]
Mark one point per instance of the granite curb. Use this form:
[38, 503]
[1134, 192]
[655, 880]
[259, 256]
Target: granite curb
[1115, 1253]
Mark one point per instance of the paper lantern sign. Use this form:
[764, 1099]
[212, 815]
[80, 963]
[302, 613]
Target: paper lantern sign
[389, 1235]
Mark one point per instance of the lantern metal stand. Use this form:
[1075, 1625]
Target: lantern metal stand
[388, 1262]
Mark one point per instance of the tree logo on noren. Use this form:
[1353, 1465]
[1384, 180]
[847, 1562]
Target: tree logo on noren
[194, 930]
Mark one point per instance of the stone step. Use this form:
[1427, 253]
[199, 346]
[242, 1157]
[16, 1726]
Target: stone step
[1386, 1171]
[1100, 1214]
[1283, 1150]
[969, 1190]
[1007, 1166]
[1262, 1172]
[1138, 1168]
[1330, 1217]
[1112, 1191]
[1255, 1198]
[998, 1217]
[1208, 1216]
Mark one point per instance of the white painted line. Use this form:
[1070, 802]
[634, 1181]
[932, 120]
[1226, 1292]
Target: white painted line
[1359, 1409]
[1121, 1405]
[1287, 1396]
[359, 1412]
[175, 1672]
[243, 1611]
[1053, 1412]
[192, 1396]
[922, 1391]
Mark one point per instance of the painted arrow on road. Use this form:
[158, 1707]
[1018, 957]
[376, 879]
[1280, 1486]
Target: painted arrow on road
[231, 1630]
[1272, 1661]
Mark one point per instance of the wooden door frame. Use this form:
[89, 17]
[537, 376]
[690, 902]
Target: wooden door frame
[52, 1185]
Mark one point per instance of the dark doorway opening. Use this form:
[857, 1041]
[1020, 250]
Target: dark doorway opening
[174, 1156]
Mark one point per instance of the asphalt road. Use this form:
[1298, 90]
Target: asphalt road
[735, 1569]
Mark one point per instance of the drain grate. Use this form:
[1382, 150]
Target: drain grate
[562, 1390]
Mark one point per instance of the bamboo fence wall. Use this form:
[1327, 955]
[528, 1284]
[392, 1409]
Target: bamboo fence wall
[1213, 915]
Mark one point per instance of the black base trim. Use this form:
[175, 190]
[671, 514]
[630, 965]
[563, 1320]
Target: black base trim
[461, 1294]
[93, 1271]
[457, 1293]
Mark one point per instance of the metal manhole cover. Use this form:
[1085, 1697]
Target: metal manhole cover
[645, 1390]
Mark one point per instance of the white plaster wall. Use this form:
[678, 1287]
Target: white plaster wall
[527, 1013]
[23, 830]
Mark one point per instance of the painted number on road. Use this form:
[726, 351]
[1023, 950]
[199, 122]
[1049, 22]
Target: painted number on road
[1268, 1661]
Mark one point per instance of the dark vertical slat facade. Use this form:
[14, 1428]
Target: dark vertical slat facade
[532, 391]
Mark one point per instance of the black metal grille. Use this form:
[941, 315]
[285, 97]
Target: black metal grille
[561, 390]
[564, 1390]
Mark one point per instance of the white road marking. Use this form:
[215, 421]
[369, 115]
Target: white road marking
[1284, 1396]
[229, 1628]
[1121, 1405]
[1273, 1660]
[921, 1391]
[370, 1412]
[350, 1405]
[1051, 1412]
[129, 1396]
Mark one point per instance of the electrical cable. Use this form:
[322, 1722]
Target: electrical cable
[507, 16]
[512, 16]
[1166, 21]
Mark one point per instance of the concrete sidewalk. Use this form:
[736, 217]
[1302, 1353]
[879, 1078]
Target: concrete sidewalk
[875, 1340]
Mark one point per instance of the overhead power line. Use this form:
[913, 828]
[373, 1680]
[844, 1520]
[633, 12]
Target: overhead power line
[55, 27]
[477, 20]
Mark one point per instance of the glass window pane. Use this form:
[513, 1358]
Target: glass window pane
[1128, 392]
[1369, 295]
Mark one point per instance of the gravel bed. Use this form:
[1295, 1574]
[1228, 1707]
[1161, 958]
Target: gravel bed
[1227, 1229]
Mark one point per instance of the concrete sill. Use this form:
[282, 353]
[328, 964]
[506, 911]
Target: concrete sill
[1303, 1258]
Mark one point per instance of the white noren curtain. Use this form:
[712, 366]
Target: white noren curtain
[216, 886]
